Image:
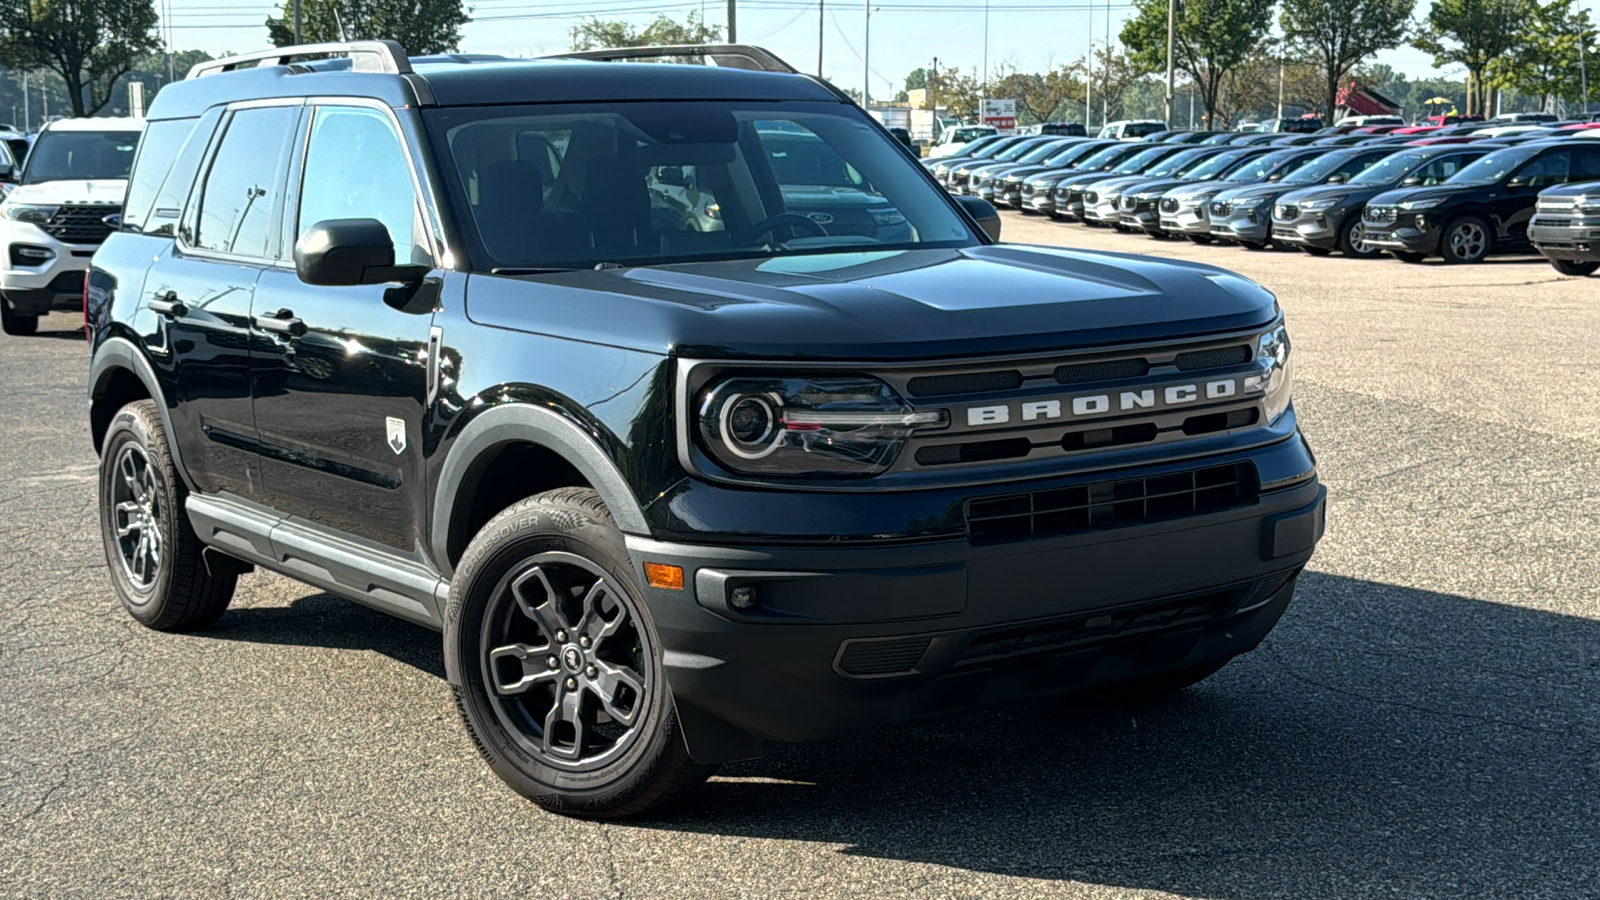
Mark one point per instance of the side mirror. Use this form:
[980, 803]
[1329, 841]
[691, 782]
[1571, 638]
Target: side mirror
[342, 252]
[1336, 179]
[1413, 181]
[983, 212]
[1517, 183]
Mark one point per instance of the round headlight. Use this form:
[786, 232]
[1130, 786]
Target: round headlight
[749, 423]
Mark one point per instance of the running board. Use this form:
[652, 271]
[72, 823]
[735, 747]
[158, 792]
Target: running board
[381, 579]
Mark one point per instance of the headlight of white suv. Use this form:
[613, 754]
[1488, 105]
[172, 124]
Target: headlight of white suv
[1276, 378]
[28, 212]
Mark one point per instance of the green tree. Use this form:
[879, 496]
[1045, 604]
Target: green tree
[1210, 39]
[1111, 76]
[89, 43]
[1335, 35]
[421, 26]
[1473, 33]
[958, 93]
[1545, 63]
[1041, 97]
[600, 34]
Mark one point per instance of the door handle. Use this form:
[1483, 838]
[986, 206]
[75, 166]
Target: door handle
[168, 304]
[281, 322]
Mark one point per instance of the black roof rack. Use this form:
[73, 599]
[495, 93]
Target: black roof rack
[365, 56]
[728, 56]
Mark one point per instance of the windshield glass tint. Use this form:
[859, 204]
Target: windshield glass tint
[1389, 170]
[1074, 152]
[563, 186]
[1040, 152]
[1139, 161]
[1494, 167]
[1178, 162]
[1319, 168]
[59, 155]
[1216, 165]
[1015, 151]
[1259, 168]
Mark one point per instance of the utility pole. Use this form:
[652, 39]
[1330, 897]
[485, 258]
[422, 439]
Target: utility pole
[1172, 28]
[866, 59]
[1105, 98]
[1280, 87]
[733, 21]
[1583, 73]
[297, 21]
[27, 117]
[820, 5]
[985, 79]
[1088, 77]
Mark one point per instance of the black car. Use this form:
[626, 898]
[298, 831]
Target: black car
[1244, 215]
[417, 332]
[1325, 218]
[1009, 188]
[967, 150]
[1482, 209]
[1068, 204]
[1138, 207]
[1566, 227]
[958, 179]
[984, 180]
[1092, 197]
[944, 170]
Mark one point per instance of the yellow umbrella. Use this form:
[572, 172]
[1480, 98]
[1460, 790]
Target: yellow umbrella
[1439, 100]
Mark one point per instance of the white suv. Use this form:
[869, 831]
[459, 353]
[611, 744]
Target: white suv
[51, 222]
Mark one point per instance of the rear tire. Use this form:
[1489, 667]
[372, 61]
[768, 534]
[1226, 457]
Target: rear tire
[154, 555]
[555, 663]
[1574, 267]
[15, 324]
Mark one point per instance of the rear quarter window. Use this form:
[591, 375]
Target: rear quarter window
[158, 149]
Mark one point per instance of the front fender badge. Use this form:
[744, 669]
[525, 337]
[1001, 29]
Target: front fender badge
[397, 434]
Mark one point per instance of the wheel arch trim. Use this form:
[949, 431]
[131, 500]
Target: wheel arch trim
[524, 423]
[120, 354]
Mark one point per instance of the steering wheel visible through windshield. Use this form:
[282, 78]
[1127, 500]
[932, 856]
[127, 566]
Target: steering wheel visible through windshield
[578, 185]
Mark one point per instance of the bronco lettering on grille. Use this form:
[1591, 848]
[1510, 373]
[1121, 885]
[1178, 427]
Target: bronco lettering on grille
[1086, 405]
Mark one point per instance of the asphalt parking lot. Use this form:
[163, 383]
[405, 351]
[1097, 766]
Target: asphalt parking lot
[1425, 722]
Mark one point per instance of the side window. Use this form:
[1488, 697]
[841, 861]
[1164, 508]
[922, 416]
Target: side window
[1438, 170]
[1586, 167]
[1551, 168]
[356, 169]
[243, 185]
[158, 150]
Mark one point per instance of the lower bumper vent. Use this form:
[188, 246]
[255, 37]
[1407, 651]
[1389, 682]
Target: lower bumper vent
[892, 656]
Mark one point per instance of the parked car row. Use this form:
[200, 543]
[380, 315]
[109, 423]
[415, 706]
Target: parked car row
[1358, 193]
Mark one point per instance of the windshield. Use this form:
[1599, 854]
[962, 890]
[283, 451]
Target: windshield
[60, 155]
[1259, 168]
[1137, 163]
[559, 186]
[1000, 146]
[1216, 165]
[1072, 152]
[1389, 170]
[1040, 152]
[1107, 157]
[1493, 168]
[1015, 151]
[1178, 162]
[1319, 168]
[974, 146]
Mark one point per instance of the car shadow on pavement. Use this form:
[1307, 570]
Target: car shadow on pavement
[324, 620]
[1384, 741]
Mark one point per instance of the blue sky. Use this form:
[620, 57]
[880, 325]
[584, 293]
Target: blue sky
[1029, 34]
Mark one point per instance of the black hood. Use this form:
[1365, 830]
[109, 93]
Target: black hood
[919, 304]
[1403, 195]
[1322, 191]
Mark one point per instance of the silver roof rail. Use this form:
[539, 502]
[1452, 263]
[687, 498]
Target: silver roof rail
[728, 56]
[365, 56]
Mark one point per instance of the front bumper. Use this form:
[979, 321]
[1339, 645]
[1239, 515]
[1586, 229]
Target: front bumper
[1009, 194]
[1143, 216]
[1040, 199]
[1253, 224]
[1410, 233]
[1189, 217]
[1069, 204]
[1577, 239]
[1106, 209]
[1311, 228]
[837, 638]
[33, 286]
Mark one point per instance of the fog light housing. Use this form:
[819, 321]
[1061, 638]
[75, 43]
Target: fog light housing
[29, 255]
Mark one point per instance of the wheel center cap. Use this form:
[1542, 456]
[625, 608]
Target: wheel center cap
[572, 658]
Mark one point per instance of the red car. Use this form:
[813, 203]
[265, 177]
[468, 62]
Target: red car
[1376, 129]
[1417, 129]
[1444, 139]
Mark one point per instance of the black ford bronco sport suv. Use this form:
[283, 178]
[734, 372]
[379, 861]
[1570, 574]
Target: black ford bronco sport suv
[541, 354]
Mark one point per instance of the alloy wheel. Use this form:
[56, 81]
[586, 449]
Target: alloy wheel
[136, 516]
[1468, 241]
[566, 661]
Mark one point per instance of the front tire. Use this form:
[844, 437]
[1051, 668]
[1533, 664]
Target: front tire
[1352, 241]
[1465, 240]
[556, 665]
[154, 555]
[14, 324]
[1574, 267]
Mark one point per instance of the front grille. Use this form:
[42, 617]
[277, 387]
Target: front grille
[1288, 211]
[964, 383]
[1090, 197]
[1102, 371]
[80, 224]
[1213, 358]
[1220, 208]
[1110, 504]
[1189, 614]
[1127, 204]
[891, 656]
[1379, 214]
[1549, 222]
[1169, 205]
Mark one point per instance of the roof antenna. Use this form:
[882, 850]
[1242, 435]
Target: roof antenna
[337, 21]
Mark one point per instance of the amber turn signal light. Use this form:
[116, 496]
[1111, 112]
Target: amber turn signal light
[661, 575]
